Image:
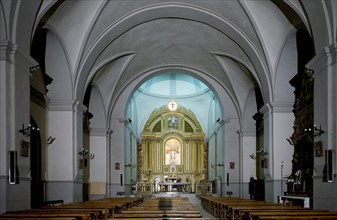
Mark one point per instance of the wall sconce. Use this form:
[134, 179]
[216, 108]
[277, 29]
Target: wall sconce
[252, 156]
[315, 132]
[50, 140]
[130, 165]
[127, 121]
[217, 165]
[290, 141]
[83, 152]
[34, 68]
[28, 130]
[261, 152]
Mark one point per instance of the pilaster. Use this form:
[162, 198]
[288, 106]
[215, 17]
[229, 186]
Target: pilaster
[14, 111]
[65, 122]
[276, 152]
[98, 147]
[324, 66]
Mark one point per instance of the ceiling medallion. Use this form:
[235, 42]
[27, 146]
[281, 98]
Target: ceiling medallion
[172, 106]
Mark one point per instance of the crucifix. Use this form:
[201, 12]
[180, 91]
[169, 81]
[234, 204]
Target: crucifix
[172, 106]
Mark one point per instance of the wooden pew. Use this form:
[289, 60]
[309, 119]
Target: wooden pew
[236, 208]
[312, 217]
[160, 208]
[97, 209]
[220, 207]
[239, 211]
[297, 213]
[39, 218]
[77, 216]
[160, 218]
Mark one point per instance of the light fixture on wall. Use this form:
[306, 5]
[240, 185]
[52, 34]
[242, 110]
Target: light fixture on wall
[50, 140]
[28, 130]
[290, 141]
[130, 165]
[261, 152]
[252, 156]
[127, 121]
[83, 152]
[34, 68]
[217, 165]
[315, 132]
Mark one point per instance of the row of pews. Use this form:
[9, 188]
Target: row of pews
[89, 210]
[113, 208]
[162, 208]
[239, 208]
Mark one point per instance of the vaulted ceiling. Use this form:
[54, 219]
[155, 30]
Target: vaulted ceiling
[239, 45]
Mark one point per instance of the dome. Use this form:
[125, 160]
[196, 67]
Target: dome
[173, 85]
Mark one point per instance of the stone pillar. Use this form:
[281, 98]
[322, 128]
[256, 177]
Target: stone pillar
[98, 147]
[64, 176]
[14, 111]
[324, 66]
[276, 151]
[248, 160]
[116, 155]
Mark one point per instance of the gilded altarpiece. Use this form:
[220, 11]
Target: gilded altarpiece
[172, 150]
[300, 182]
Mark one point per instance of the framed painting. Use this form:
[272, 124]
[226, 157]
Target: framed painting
[24, 148]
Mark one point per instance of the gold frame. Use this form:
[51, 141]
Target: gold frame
[24, 148]
[318, 149]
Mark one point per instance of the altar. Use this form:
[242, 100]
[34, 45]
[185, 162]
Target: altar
[172, 155]
[171, 187]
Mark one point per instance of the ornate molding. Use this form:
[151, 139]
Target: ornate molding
[325, 58]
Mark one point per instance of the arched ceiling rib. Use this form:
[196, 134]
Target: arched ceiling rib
[186, 33]
[217, 22]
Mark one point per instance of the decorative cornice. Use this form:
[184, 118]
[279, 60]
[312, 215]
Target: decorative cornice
[66, 105]
[266, 109]
[79, 107]
[248, 133]
[101, 132]
[7, 49]
[277, 107]
[325, 58]
[12, 54]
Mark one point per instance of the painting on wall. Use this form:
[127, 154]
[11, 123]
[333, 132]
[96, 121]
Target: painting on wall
[24, 148]
[318, 149]
[117, 166]
[172, 152]
[232, 165]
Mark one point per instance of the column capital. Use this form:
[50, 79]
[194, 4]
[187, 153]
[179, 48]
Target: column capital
[103, 132]
[15, 55]
[324, 58]
[276, 107]
[66, 105]
[7, 49]
[79, 107]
